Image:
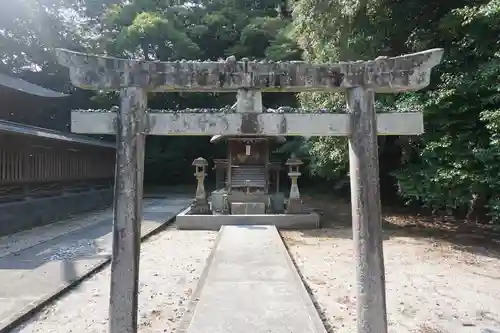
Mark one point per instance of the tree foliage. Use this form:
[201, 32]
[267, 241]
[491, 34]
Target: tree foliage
[454, 166]
[164, 30]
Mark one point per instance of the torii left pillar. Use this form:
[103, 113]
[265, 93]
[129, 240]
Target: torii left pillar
[127, 209]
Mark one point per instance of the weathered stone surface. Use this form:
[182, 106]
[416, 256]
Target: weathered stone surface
[292, 124]
[127, 206]
[294, 203]
[278, 203]
[294, 206]
[241, 196]
[188, 221]
[249, 101]
[217, 201]
[225, 109]
[403, 73]
[366, 214]
[252, 286]
[248, 208]
[200, 204]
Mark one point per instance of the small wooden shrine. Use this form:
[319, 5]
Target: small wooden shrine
[247, 175]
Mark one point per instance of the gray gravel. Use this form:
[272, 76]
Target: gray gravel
[171, 263]
[24, 239]
[432, 286]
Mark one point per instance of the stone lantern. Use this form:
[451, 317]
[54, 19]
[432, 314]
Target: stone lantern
[200, 204]
[294, 203]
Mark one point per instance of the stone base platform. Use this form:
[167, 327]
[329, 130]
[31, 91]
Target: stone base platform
[250, 285]
[186, 221]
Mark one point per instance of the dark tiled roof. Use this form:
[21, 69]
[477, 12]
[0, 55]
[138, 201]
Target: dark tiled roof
[27, 87]
[21, 129]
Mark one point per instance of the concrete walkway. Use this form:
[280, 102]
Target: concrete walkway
[35, 265]
[250, 285]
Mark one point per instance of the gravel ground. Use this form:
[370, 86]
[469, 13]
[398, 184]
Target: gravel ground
[171, 263]
[433, 286]
[24, 239]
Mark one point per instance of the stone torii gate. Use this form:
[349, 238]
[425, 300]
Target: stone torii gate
[359, 80]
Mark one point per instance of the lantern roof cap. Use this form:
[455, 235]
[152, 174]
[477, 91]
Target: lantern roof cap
[200, 161]
[293, 160]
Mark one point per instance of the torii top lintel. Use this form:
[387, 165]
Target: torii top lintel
[382, 75]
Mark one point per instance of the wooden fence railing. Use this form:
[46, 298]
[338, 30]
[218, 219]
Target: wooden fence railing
[28, 171]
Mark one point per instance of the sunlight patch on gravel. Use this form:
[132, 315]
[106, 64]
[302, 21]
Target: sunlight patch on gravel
[432, 286]
[171, 264]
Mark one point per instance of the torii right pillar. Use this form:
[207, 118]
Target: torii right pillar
[365, 187]
[366, 213]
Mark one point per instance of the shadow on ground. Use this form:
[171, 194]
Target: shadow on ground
[80, 244]
[469, 237]
[156, 191]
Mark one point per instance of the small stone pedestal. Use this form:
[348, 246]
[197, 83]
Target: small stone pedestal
[248, 208]
[200, 204]
[294, 203]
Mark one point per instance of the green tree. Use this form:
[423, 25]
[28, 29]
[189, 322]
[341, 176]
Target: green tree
[453, 165]
[163, 30]
[457, 164]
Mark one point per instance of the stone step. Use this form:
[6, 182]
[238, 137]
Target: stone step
[250, 285]
[248, 208]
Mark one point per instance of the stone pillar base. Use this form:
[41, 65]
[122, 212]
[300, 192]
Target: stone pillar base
[200, 206]
[294, 206]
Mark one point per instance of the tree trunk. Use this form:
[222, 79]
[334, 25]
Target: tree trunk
[477, 208]
[145, 50]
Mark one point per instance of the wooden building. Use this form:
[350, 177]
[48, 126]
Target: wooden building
[45, 174]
